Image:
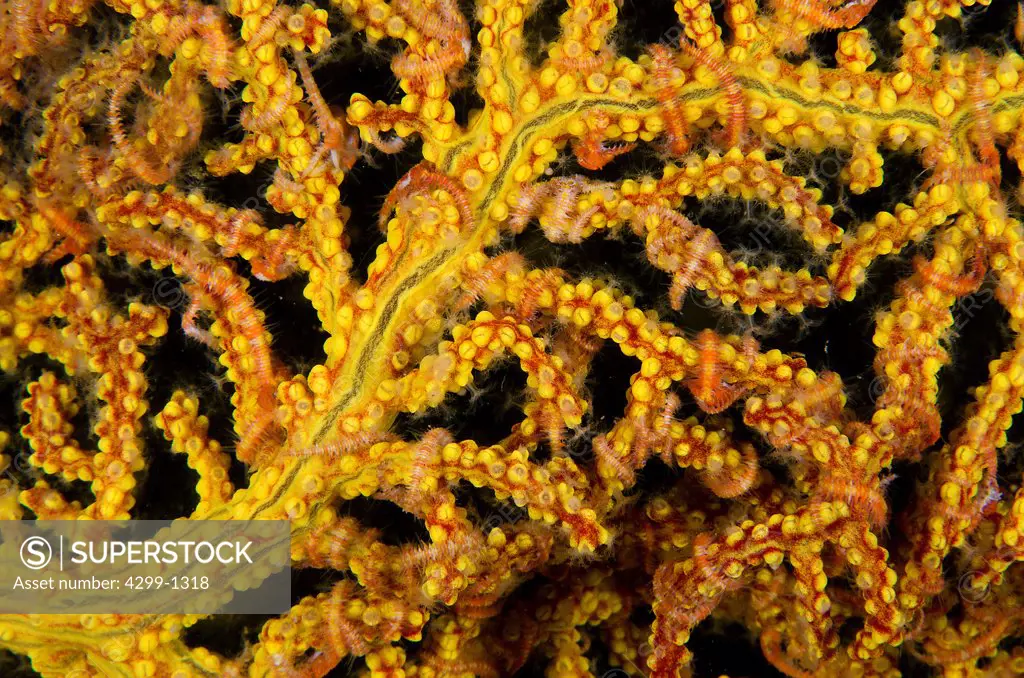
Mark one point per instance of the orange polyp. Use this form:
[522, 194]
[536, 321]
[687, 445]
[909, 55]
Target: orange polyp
[268, 26]
[593, 152]
[708, 386]
[489, 274]
[338, 141]
[1018, 24]
[823, 17]
[677, 128]
[685, 275]
[487, 461]
[423, 177]
[984, 139]
[956, 285]
[139, 165]
[270, 116]
[736, 126]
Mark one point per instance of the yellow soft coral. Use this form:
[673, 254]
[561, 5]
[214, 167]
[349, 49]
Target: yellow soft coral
[561, 498]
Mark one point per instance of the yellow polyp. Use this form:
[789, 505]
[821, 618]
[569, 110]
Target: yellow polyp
[566, 85]
[620, 87]
[472, 179]
[190, 48]
[510, 236]
[943, 103]
[597, 83]
[529, 101]
[549, 76]
[359, 109]
[488, 161]
[503, 122]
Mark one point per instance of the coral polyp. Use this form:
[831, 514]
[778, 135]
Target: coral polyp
[575, 206]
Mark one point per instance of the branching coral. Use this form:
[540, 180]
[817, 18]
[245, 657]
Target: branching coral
[783, 525]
